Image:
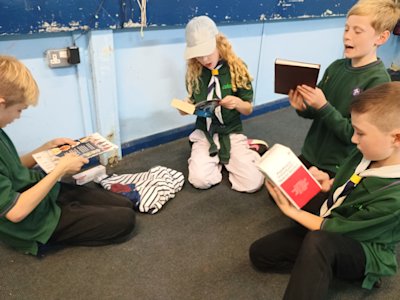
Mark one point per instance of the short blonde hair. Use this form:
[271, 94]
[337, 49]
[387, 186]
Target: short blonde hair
[17, 84]
[385, 13]
[381, 103]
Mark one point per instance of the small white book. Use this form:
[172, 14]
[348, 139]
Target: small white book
[203, 108]
[184, 106]
[285, 170]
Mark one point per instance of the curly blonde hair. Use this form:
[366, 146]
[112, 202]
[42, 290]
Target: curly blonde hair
[240, 76]
[17, 84]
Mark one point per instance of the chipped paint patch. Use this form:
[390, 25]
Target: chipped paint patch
[55, 27]
[131, 24]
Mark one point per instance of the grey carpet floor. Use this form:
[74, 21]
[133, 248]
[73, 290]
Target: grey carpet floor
[196, 247]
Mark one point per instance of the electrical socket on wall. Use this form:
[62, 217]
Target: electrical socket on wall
[58, 58]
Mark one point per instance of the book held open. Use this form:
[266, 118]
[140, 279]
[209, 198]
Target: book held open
[289, 74]
[202, 109]
[89, 146]
[285, 170]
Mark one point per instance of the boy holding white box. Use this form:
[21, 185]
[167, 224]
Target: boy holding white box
[355, 235]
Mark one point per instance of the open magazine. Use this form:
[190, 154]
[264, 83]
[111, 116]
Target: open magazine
[89, 146]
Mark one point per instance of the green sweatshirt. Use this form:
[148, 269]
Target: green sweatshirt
[370, 215]
[328, 141]
[15, 178]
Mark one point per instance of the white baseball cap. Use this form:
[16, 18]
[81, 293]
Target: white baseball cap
[200, 37]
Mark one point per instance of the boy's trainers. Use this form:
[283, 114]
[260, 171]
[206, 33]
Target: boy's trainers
[259, 146]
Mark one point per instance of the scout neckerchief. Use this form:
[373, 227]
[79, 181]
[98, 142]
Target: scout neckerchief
[214, 87]
[340, 194]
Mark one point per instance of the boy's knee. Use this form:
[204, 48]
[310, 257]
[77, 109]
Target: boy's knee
[256, 255]
[130, 220]
[125, 220]
[125, 225]
[315, 242]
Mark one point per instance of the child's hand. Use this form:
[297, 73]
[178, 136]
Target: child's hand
[232, 102]
[323, 178]
[70, 163]
[296, 100]
[57, 142]
[281, 201]
[313, 97]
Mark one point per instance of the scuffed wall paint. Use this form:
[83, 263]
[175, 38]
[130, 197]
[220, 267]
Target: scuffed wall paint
[35, 16]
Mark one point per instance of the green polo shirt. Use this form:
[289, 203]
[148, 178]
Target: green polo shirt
[15, 178]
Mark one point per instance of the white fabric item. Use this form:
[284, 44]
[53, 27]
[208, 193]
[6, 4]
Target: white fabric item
[214, 86]
[155, 187]
[205, 170]
[200, 37]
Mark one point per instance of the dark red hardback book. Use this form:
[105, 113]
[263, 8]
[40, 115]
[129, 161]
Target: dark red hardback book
[289, 74]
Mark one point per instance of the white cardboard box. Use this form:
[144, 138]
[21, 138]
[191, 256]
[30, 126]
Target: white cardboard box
[281, 166]
[89, 175]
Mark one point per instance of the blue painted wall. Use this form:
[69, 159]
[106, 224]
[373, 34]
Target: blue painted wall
[33, 16]
[125, 81]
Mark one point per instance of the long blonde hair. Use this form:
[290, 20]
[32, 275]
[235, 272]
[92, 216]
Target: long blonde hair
[240, 76]
[17, 84]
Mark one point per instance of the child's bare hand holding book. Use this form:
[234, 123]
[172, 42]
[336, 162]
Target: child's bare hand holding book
[280, 199]
[314, 97]
[322, 177]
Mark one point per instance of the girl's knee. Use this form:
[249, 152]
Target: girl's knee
[204, 178]
[203, 183]
[247, 185]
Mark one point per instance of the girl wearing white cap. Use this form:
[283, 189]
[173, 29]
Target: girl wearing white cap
[215, 72]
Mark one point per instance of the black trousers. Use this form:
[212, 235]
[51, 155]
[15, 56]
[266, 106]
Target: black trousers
[314, 258]
[92, 217]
